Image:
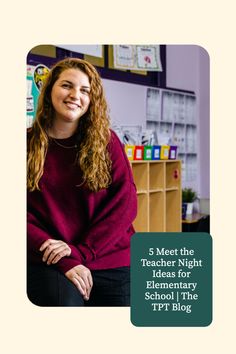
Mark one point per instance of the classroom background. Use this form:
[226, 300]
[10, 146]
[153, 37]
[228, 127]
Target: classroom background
[158, 98]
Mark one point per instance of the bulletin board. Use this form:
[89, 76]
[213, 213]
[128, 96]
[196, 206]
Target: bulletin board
[48, 55]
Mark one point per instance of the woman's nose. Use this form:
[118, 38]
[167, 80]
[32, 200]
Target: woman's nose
[75, 93]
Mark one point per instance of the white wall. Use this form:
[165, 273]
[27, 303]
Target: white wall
[187, 69]
[182, 67]
[204, 120]
[127, 102]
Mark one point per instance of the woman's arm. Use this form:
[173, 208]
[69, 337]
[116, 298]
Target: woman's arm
[113, 220]
[41, 246]
[36, 235]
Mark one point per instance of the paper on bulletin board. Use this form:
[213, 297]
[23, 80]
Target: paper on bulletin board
[93, 50]
[35, 78]
[32, 95]
[137, 57]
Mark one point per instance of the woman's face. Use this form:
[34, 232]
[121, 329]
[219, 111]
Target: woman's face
[70, 96]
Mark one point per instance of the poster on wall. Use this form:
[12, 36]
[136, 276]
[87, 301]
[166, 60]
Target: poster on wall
[36, 76]
[137, 57]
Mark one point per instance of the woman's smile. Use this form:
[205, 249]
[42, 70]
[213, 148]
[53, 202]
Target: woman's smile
[70, 96]
[72, 105]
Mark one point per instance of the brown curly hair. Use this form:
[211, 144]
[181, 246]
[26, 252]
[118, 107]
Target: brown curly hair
[93, 131]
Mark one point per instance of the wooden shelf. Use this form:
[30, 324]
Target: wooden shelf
[171, 189]
[156, 190]
[156, 215]
[159, 195]
[142, 192]
[141, 222]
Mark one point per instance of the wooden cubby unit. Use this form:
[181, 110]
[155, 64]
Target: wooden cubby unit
[156, 211]
[159, 195]
[141, 222]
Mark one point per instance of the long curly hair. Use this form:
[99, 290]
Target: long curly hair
[93, 130]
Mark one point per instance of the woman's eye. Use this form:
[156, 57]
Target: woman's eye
[85, 92]
[66, 86]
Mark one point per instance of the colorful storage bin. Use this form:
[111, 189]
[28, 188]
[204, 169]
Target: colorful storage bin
[165, 152]
[173, 152]
[156, 152]
[147, 152]
[138, 152]
[129, 149]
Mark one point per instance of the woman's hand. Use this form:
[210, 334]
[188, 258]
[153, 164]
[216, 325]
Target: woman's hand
[54, 250]
[81, 277]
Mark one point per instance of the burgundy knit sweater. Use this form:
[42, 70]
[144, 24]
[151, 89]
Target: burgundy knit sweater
[96, 226]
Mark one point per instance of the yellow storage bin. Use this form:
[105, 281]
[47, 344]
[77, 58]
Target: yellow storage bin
[165, 152]
[129, 149]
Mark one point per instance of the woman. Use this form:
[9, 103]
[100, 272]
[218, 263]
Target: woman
[81, 195]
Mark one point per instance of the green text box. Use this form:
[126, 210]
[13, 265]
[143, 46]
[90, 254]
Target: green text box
[171, 279]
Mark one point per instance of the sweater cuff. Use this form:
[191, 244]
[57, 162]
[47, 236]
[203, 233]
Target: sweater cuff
[66, 264]
[82, 252]
[79, 255]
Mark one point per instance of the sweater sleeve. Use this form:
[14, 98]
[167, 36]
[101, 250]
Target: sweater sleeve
[36, 235]
[113, 221]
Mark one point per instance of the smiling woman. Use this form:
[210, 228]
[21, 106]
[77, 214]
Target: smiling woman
[70, 97]
[81, 195]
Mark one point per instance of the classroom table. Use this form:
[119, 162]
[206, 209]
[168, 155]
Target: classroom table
[196, 222]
